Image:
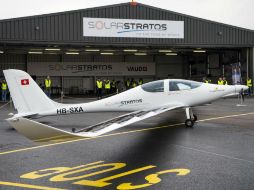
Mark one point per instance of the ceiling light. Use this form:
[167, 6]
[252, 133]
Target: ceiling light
[52, 49]
[92, 50]
[72, 53]
[130, 50]
[140, 53]
[1, 51]
[107, 53]
[164, 50]
[199, 51]
[35, 52]
[171, 54]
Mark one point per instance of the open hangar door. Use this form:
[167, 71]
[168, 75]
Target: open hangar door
[178, 63]
[195, 65]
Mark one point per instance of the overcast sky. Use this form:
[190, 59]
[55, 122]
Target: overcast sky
[234, 12]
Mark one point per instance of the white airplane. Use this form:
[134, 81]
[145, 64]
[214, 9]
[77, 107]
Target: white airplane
[142, 102]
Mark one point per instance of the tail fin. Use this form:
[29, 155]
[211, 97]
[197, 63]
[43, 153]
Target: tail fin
[28, 97]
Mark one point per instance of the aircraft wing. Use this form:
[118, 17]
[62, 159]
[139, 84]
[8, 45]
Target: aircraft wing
[38, 131]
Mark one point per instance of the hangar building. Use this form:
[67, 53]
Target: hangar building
[129, 40]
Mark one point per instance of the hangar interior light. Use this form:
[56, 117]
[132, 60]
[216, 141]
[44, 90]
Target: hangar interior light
[130, 50]
[1, 51]
[140, 53]
[92, 50]
[72, 53]
[35, 52]
[52, 49]
[164, 50]
[171, 54]
[107, 53]
[199, 51]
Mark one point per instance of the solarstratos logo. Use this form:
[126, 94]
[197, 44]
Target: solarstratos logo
[77, 68]
[105, 27]
[123, 27]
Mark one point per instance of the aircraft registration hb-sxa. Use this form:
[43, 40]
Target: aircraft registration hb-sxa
[142, 102]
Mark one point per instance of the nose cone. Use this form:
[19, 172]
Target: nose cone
[239, 88]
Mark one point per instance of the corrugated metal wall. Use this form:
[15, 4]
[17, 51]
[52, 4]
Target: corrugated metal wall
[66, 27]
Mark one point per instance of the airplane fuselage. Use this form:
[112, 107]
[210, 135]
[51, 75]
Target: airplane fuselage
[140, 99]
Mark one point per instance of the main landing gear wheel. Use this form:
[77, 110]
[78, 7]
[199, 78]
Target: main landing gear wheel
[189, 123]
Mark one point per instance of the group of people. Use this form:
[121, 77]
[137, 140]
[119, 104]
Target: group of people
[133, 83]
[223, 81]
[107, 87]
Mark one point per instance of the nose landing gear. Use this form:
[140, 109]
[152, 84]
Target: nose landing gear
[191, 118]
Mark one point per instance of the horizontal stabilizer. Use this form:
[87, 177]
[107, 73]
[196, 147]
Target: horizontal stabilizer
[37, 131]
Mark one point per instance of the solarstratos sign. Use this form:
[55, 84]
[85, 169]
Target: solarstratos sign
[91, 69]
[131, 28]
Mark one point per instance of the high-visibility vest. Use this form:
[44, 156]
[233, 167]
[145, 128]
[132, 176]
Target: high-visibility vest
[134, 84]
[107, 85]
[220, 82]
[4, 86]
[128, 83]
[206, 81]
[47, 83]
[99, 84]
[249, 82]
[140, 82]
[225, 82]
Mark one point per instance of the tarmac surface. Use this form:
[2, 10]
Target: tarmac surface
[158, 153]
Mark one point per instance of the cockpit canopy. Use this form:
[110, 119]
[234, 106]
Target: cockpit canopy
[173, 85]
[155, 86]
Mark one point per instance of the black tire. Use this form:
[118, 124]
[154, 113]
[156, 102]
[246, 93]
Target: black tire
[189, 123]
[195, 118]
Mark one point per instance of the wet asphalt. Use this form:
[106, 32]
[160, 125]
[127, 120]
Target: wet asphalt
[158, 153]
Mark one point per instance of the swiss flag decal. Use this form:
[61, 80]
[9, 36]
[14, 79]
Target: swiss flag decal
[24, 81]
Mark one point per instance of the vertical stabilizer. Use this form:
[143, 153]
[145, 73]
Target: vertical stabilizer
[27, 96]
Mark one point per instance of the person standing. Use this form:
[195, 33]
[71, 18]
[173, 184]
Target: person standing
[249, 84]
[47, 84]
[99, 88]
[128, 84]
[220, 81]
[107, 86]
[133, 83]
[4, 90]
[140, 82]
[205, 80]
[225, 82]
[113, 86]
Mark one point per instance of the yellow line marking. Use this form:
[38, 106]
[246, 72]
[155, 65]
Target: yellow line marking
[6, 183]
[228, 116]
[48, 138]
[121, 133]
